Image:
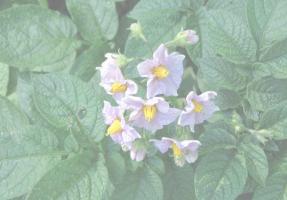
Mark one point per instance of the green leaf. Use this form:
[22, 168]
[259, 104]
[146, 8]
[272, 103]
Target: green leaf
[256, 161]
[266, 93]
[145, 184]
[273, 61]
[221, 176]
[78, 178]
[178, 184]
[170, 15]
[27, 153]
[276, 188]
[215, 73]
[229, 37]
[66, 102]
[35, 38]
[267, 20]
[95, 19]
[4, 78]
[217, 136]
[86, 63]
[227, 99]
[275, 121]
[11, 118]
[26, 156]
[116, 165]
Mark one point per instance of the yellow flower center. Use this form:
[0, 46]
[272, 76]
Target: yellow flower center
[118, 87]
[160, 72]
[115, 127]
[149, 112]
[198, 107]
[176, 151]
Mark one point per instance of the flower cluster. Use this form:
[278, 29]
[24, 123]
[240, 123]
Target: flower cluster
[134, 114]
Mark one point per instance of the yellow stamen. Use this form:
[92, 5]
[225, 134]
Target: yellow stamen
[160, 72]
[198, 107]
[118, 87]
[176, 151]
[149, 112]
[115, 127]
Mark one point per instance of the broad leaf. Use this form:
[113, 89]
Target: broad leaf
[217, 136]
[221, 176]
[215, 73]
[267, 19]
[178, 183]
[170, 15]
[78, 178]
[273, 61]
[35, 38]
[275, 121]
[229, 37]
[227, 99]
[4, 78]
[276, 188]
[95, 19]
[67, 102]
[145, 184]
[26, 152]
[266, 93]
[256, 161]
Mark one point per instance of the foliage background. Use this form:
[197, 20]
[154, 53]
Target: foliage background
[52, 143]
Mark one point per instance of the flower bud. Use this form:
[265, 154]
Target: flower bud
[136, 31]
[185, 37]
[121, 60]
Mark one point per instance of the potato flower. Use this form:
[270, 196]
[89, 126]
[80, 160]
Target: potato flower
[113, 81]
[164, 72]
[186, 150]
[198, 109]
[118, 129]
[151, 114]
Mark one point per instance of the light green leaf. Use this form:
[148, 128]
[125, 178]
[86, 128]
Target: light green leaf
[86, 63]
[229, 37]
[256, 161]
[220, 176]
[273, 61]
[67, 102]
[78, 178]
[26, 152]
[178, 183]
[267, 19]
[170, 15]
[145, 184]
[95, 19]
[227, 99]
[276, 188]
[275, 121]
[33, 37]
[4, 78]
[215, 73]
[266, 93]
[11, 118]
[217, 136]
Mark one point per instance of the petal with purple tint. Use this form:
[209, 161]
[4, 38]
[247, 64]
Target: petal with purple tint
[162, 145]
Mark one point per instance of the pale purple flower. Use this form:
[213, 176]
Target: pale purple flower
[164, 72]
[137, 153]
[198, 109]
[191, 36]
[151, 114]
[186, 150]
[119, 131]
[113, 81]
